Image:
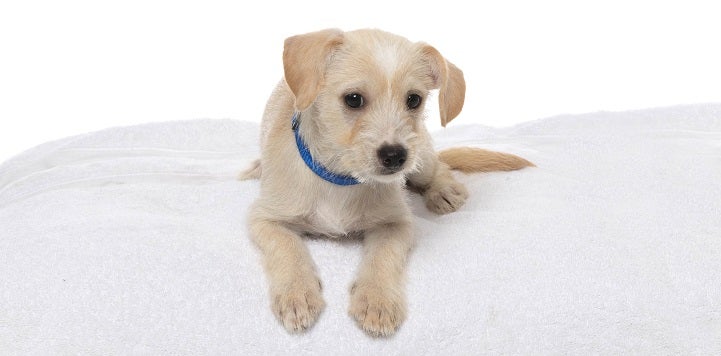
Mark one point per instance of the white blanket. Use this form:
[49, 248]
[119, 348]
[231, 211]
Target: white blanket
[133, 241]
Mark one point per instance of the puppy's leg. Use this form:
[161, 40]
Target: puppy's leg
[295, 289]
[441, 192]
[252, 172]
[377, 297]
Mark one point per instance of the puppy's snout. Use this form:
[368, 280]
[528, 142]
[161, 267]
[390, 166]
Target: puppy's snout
[392, 157]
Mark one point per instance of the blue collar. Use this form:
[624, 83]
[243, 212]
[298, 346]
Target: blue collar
[314, 166]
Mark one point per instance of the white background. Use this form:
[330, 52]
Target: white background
[69, 67]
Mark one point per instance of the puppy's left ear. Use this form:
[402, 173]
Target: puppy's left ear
[305, 58]
[449, 79]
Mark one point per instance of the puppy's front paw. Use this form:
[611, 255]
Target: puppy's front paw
[378, 311]
[298, 304]
[445, 197]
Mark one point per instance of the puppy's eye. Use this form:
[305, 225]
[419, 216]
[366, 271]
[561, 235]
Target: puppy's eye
[414, 101]
[354, 100]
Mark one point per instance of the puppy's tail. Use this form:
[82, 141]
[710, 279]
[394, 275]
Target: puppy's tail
[470, 160]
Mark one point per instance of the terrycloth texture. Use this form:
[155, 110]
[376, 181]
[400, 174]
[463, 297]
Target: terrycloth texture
[134, 241]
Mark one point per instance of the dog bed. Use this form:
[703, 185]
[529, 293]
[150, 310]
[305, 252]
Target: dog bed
[133, 240]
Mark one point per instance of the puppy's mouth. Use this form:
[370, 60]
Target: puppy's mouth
[383, 171]
[384, 174]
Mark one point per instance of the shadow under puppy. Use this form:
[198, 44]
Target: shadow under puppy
[342, 137]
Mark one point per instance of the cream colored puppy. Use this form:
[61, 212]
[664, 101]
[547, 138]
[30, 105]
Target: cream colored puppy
[342, 135]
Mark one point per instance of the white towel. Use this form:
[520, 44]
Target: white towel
[134, 241]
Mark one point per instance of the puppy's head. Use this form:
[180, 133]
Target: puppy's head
[364, 94]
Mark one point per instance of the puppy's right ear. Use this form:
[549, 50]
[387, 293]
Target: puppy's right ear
[304, 60]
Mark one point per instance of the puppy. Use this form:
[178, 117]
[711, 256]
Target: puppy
[342, 136]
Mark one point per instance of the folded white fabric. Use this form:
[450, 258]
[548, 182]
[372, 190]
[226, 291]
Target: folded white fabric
[133, 241]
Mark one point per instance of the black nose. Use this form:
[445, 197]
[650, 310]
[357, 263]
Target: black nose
[392, 156]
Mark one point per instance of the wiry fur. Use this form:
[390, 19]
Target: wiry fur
[320, 69]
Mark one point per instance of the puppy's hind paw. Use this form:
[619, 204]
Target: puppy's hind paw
[252, 172]
[446, 198]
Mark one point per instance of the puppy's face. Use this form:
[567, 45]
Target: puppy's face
[366, 94]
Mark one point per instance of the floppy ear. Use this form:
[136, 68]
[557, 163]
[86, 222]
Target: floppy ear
[449, 79]
[304, 60]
